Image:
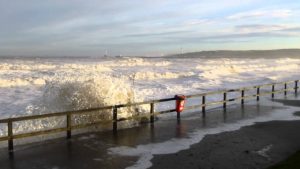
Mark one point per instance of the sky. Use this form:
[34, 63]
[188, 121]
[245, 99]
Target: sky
[145, 27]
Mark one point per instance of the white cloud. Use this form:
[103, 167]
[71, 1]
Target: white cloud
[278, 13]
[61, 26]
[259, 28]
[198, 22]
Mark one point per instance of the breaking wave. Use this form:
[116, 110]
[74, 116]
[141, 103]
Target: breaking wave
[131, 62]
[82, 93]
[230, 68]
[79, 94]
[149, 75]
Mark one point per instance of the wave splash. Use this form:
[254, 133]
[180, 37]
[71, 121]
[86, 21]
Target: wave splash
[78, 94]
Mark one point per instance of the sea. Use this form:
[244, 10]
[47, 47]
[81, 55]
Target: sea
[38, 85]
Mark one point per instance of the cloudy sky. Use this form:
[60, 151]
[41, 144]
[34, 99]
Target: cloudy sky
[145, 27]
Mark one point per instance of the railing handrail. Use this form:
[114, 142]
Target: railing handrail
[38, 116]
[10, 135]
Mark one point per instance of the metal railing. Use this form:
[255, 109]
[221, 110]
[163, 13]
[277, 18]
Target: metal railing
[114, 121]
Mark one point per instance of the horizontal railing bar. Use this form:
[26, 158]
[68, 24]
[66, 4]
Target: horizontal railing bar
[14, 119]
[146, 102]
[233, 90]
[213, 103]
[4, 138]
[212, 93]
[37, 133]
[166, 111]
[23, 118]
[123, 119]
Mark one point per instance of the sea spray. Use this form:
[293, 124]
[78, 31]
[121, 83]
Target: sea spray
[91, 93]
[82, 93]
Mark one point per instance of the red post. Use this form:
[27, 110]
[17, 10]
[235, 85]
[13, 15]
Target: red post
[180, 101]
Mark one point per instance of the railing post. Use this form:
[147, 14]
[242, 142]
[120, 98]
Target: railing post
[178, 116]
[285, 87]
[151, 112]
[10, 136]
[69, 126]
[203, 105]
[242, 96]
[273, 90]
[224, 100]
[296, 86]
[257, 93]
[115, 120]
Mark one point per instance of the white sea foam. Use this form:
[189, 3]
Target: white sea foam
[35, 87]
[131, 62]
[219, 69]
[160, 75]
[13, 82]
[83, 93]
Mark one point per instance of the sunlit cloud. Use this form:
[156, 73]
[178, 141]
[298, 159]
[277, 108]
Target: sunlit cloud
[278, 13]
[193, 22]
[258, 28]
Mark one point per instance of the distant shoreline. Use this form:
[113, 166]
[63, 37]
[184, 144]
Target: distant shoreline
[278, 53]
[293, 53]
